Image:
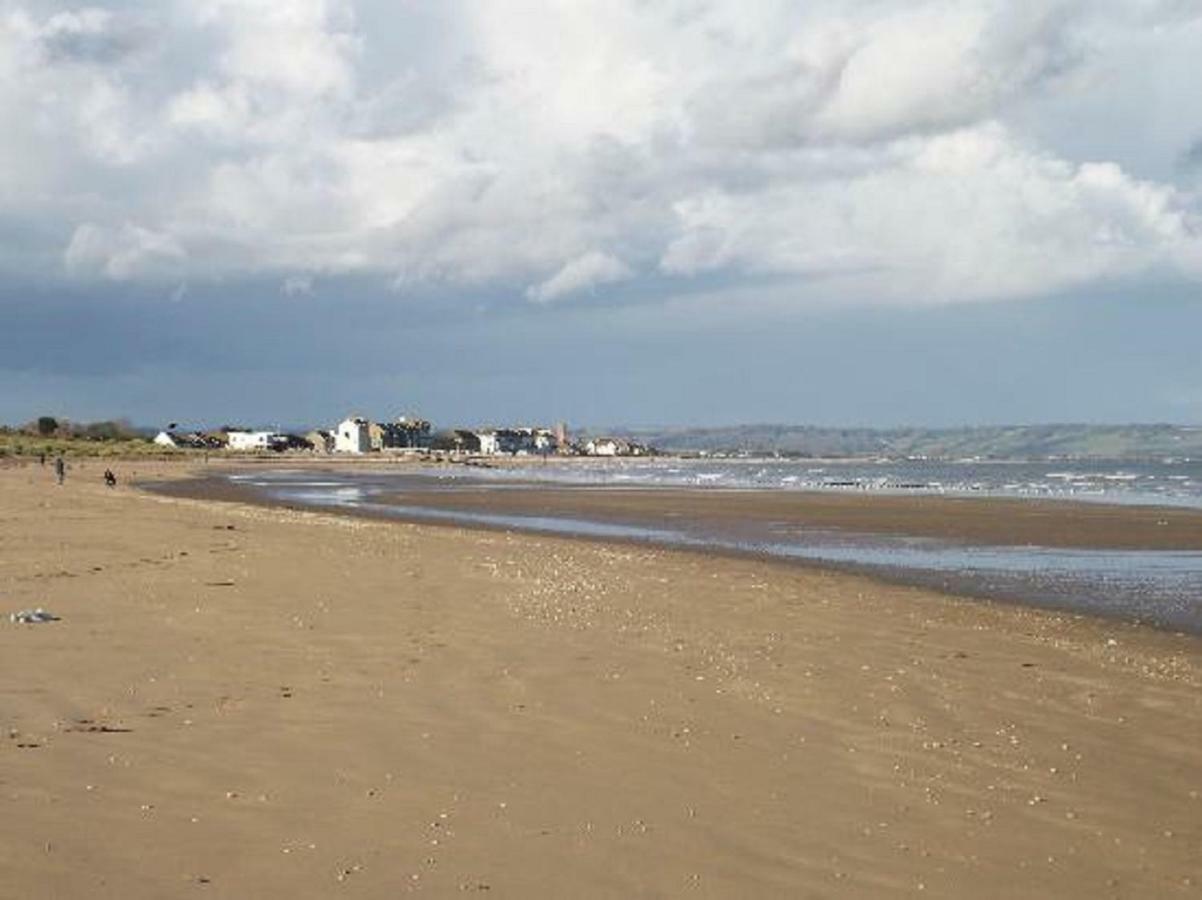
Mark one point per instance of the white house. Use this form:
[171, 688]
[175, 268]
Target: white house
[609, 446]
[353, 436]
[256, 440]
[516, 441]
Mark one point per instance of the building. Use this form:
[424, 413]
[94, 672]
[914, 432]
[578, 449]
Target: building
[605, 446]
[322, 441]
[517, 441]
[196, 440]
[494, 441]
[256, 440]
[489, 442]
[405, 434]
[375, 436]
[546, 441]
[296, 442]
[457, 440]
[612, 446]
[353, 435]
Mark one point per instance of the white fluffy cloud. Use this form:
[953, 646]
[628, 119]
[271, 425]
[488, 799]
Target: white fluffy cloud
[583, 273]
[876, 151]
[969, 214]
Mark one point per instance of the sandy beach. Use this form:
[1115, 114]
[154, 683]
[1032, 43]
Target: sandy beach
[241, 701]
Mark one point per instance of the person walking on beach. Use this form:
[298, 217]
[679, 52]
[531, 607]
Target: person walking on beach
[109, 478]
[60, 469]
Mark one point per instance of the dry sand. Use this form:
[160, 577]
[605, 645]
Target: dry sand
[246, 702]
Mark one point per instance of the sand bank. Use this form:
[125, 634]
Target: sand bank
[260, 702]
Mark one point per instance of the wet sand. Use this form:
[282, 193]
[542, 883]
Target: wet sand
[971, 520]
[998, 522]
[917, 540]
[242, 701]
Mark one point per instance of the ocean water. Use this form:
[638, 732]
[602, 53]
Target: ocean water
[1163, 588]
[1166, 482]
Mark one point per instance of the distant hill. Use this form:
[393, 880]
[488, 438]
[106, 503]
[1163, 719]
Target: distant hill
[994, 442]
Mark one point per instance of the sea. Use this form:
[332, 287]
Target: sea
[1162, 588]
[1163, 482]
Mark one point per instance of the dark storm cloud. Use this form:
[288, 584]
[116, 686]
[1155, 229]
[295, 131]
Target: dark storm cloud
[233, 355]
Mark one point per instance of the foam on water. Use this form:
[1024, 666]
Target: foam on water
[1158, 483]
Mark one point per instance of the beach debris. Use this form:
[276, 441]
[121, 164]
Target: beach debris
[91, 727]
[32, 616]
[22, 744]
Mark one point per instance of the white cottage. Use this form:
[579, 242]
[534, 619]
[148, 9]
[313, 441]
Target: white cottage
[610, 446]
[603, 447]
[353, 436]
[256, 440]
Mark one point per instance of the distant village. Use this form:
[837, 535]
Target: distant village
[359, 435]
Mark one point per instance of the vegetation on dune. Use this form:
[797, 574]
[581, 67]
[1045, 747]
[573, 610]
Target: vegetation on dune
[20, 445]
[53, 436]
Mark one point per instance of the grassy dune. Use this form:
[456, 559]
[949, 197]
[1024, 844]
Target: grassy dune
[25, 445]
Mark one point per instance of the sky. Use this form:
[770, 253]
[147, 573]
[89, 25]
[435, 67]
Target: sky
[605, 212]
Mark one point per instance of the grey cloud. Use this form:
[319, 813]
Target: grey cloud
[89, 356]
[102, 47]
[816, 95]
[1192, 156]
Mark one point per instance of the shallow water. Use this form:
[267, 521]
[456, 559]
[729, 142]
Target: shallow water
[1159, 587]
[1166, 482]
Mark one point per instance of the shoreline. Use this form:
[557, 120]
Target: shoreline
[249, 701]
[741, 525]
[980, 520]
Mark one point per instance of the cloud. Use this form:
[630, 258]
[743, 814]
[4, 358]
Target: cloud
[122, 254]
[873, 152]
[1192, 157]
[876, 73]
[972, 214]
[90, 35]
[297, 285]
[583, 273]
